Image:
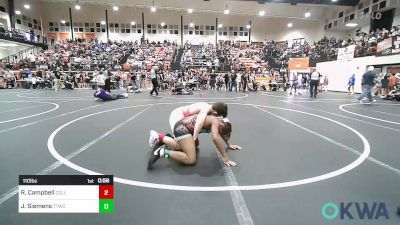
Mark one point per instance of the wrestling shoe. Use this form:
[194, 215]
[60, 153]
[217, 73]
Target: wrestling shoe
[155, 155]
[153, 139]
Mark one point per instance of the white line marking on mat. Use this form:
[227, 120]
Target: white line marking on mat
[55, 165]
[341, 107]
[334, 142]
[318, 178]
[242, 212]
[363, 121]
[37, 114]
[370, 110]
[14, 92]
[39, 121]
[18, 109]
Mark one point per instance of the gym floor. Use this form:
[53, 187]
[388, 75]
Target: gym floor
[298, 154]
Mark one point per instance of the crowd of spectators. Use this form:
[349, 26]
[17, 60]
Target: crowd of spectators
[233, 66]
[147, 55]
[76, 55]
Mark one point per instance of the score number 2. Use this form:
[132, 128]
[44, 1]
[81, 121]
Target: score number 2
[106, 192]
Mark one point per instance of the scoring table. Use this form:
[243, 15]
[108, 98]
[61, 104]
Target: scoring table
[66, 194]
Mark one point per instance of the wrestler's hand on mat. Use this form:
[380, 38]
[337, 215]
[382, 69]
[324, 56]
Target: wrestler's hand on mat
[234, 147]
[229, 162]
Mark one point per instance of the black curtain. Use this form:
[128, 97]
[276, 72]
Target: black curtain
[384, 20]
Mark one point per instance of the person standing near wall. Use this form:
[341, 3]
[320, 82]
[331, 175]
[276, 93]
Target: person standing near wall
[294, 82]
[107, 82]
[325, 85]
[233, 81]
[133, 79]
[245, 80]
[226, 80]
[57, 80]
[142, 79]
[368, 81]
[153, 77]
[239, 82]
[314, 83]
[350, 84]
[385, 85]
[32, 59]
[392, 82]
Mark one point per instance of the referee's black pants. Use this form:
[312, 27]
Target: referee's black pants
[155, 86]
[314, 88]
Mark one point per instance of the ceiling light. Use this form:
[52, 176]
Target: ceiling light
[307, 14]
[133, 23]
[63, 21]
[334, 0]
[191, 24]
[351, 25]
[103, 22]
[261, 13]
[220, 25]
[77, 7]
[162, 24]
[153, 8]
[115, 8]
[248, 26]
[226, 11]
[26, 6]
[190, 10]
[289, 25]
[17, 12]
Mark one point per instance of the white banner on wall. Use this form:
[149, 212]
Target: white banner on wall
[346, 54]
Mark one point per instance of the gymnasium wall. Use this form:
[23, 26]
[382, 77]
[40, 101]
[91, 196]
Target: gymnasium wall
[396, 19]
[339, 72]
[262, 28]
[26, 21]
[5, 19]
[7, 51]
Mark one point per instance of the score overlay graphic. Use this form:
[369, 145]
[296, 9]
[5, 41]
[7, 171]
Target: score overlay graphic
[66, 194]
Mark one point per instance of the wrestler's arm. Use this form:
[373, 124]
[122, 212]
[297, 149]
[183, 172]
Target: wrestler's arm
[201, 117]
[219, 143]
[232, 146]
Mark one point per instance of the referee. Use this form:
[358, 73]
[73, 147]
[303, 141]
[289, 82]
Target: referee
[154, 81]
[314, 83]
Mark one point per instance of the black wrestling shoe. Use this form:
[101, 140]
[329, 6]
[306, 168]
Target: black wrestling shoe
[155, 155]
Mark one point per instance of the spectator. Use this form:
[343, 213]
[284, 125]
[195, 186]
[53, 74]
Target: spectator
[153, 77]
[368, 80]
[314, 83]
[392, 82]
[350, 84]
